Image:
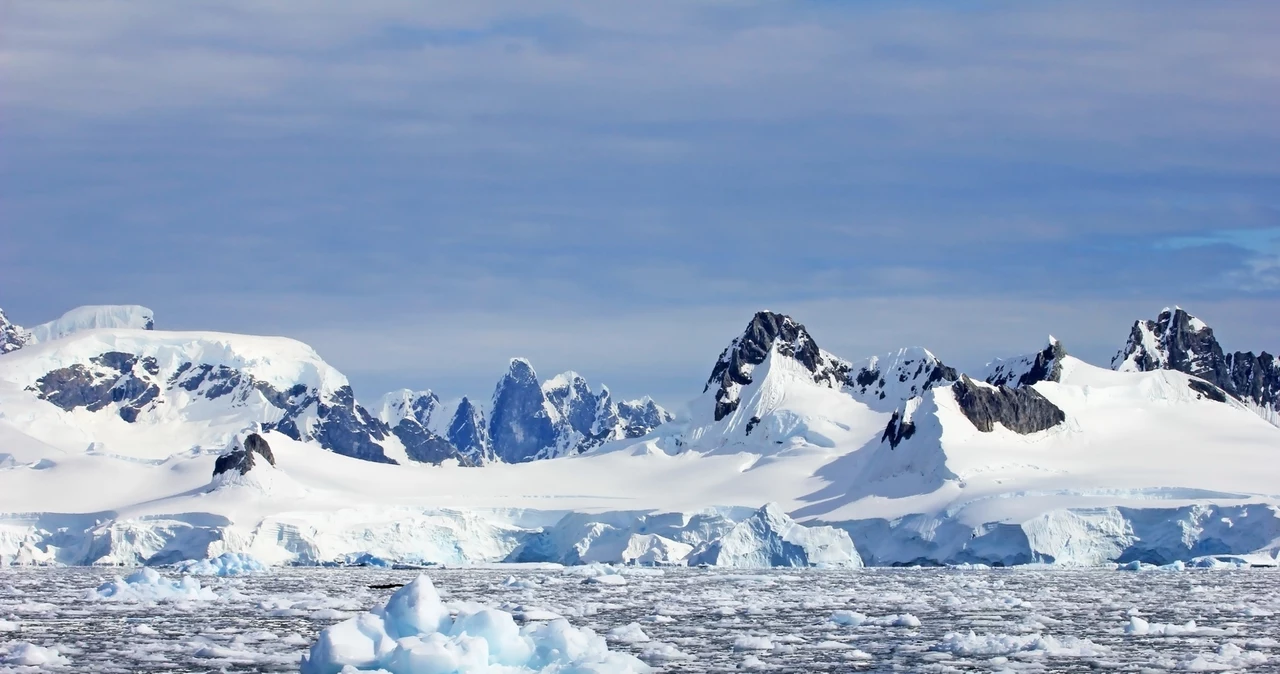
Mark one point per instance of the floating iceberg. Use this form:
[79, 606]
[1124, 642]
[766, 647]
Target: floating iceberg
[224, 565]
[416, 633]
[147, 585]
[23, 654]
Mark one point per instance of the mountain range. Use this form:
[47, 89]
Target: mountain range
[116, 441]
[157, 376]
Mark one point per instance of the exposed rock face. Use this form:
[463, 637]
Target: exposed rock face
[886, 382]
[468, 434]
[1176, 340]
[1021, 410]
[12, 337]
[559, 417]
[898, 430]
[520, 421]
[584, 419]
[1207, 390]
[243, 456]
[129, 383]
[1045, 365]
[343, 426]
[410, 418]
[134, 385]
[767, 332]
[640, 417]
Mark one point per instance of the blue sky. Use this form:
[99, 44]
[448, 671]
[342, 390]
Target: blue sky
[423, 190]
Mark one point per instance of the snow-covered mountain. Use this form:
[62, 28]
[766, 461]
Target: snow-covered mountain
[110, 440]
[205, 387]
[529, 420]
[885, 382]
[1176, 340]
[1019, 371]
[199, 388]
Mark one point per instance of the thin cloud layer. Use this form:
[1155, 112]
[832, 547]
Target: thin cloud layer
[425, 189]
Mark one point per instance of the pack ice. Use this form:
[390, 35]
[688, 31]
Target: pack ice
[124, 444]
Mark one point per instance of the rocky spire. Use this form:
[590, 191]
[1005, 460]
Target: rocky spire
[1044, 365]
[766, 333]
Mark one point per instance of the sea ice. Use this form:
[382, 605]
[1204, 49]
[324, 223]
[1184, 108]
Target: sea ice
[1139, 627]
[990, 645]
[630, 633]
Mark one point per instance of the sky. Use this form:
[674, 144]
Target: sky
[423, 190]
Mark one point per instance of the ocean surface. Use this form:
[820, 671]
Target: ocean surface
[681, 620]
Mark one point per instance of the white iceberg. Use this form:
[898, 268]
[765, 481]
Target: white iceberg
[416, 633]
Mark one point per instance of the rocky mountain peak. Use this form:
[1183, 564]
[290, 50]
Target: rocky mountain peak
[1044, 365]
[469, 434]
[765, 333]
[885, 382]
[520, 422]
[12, 336]
[521, 371]
[1176, 340]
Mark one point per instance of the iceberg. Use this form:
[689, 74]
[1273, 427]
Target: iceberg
[417, 633]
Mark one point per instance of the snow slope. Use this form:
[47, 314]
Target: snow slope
[1098, 465]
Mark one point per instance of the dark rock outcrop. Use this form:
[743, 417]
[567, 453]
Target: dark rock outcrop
[1021, 410]
[765, 332]
[12, 336]
[1176, 340]
[898, 430]
[124, 380]
[1207, 390]
[342, 425]
[243, 456]
[409, 416]
[640, 417]
[133, 385]
[1045, 365]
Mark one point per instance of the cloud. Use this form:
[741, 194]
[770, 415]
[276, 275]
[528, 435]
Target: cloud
[1258, 268]
[426, 189]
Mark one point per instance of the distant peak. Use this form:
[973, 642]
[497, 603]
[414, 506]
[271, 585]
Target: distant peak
[521, 368]
[564, 379]
[766, 333]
